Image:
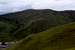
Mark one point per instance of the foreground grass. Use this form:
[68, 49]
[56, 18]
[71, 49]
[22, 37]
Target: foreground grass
[57, 38]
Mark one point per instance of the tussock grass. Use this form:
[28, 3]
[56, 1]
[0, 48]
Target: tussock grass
[57, 38]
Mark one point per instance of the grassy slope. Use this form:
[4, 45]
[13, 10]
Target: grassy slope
[58, 38]
[35, 21]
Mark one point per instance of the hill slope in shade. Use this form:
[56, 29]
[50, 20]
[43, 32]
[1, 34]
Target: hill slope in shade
[35, 21]
[31, 21]
[57, 38]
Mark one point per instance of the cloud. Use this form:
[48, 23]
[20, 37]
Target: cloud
[17, 5]
[54, 4]
[13, 5]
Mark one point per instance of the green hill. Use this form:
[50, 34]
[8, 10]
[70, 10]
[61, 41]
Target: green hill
[57, 38]
[34, 21]
[18, 25]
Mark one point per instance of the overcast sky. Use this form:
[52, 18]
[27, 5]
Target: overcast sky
[15, 5]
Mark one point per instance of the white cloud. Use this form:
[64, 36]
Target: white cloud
[54, 4]
[15, 5]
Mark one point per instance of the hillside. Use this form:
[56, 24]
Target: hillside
[35, 21]
[32, 21]
[57, 38]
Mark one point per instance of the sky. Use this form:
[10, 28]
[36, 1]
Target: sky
[18, 5]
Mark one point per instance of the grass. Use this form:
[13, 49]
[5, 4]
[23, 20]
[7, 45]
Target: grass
[57, 38]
